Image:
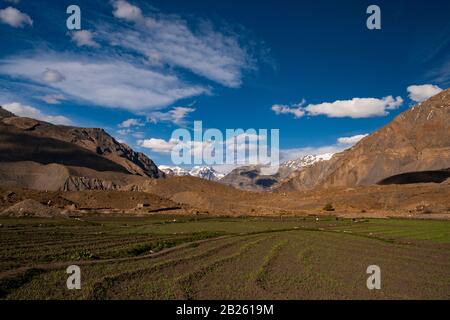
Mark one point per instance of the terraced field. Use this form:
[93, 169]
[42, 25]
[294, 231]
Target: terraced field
[163, 257]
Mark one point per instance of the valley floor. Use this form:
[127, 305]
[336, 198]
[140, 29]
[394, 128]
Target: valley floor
[167, 257]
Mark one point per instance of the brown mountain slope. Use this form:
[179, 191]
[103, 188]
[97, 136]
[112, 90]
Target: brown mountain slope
[371, 201]
[416, 140]
[25, 139]
[57, 177]
[207, 196]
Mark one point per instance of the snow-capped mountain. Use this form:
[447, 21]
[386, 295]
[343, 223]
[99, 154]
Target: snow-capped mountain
[207, 173]
[173, 171]
[306, 161]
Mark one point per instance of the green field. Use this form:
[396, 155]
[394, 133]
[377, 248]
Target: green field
[162, 257]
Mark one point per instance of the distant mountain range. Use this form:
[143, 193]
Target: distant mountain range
[251, 178]
[205, 172]
[244, 177]
[414, 147]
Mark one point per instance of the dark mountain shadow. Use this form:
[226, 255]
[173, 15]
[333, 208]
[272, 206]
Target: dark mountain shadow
[25, 147]
[437, 176]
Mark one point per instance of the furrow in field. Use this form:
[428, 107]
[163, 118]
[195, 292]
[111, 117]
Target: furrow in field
[32, 241]
[110, 285]
[263, 273]
[95, 244]
[186, 282]
[112, 265]
[412, 252]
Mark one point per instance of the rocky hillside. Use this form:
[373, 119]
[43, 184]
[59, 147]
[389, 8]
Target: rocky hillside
[417, 140]
[251, 178]
[28, 137]
[32, 145]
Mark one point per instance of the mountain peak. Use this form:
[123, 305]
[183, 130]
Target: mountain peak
[203, 172]
[5, 113]
[306, 161]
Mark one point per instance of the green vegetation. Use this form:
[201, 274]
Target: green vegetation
[159, 245]
[166, 257]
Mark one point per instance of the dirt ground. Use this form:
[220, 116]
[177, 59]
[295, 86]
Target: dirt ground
[188, 195]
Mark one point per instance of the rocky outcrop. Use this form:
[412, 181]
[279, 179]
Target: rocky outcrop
[82, 183]
[100, 142]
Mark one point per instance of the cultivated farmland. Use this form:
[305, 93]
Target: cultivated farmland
[167, 257]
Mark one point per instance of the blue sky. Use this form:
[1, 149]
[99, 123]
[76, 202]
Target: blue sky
[141, 69]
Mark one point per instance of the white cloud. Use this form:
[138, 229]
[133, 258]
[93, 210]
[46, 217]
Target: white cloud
[31, 112]
[217, 56]
[177, 115]
[126, 11]
[159, 145]
[441, 74]
[53, 98]
[246, 142]
[242, 147]
[138, 135]
[84, 38]
[124, 132]
[147, 62]
[15, 18]
[352, 140]
[295, 109]
[52, 76]
[131, 123]
[102, 81]
[355, 108]
[165, 147]
[419, 93]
